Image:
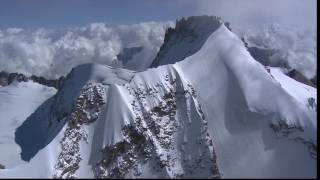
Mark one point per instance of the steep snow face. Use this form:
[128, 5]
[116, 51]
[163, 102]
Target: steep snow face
[185, 39]
[160, 137]
[17, 102]
[217, 113]
[259, 128]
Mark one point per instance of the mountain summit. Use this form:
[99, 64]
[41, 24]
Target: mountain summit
[186, 38]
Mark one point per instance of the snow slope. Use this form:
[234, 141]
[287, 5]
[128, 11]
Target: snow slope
[243, 102]
[301, 92]
[17, 102]
[215, 113]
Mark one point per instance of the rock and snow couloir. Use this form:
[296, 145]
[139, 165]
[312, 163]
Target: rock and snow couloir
[217, 113]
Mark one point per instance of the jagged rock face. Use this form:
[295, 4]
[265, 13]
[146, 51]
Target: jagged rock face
[160, 136]
[186, 38]
[86, 110]
[56, 83]
[8, 78]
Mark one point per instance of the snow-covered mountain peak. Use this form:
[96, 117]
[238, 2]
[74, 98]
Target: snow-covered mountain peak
[209, 111]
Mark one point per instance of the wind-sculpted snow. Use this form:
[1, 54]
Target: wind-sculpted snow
[52, 53]
[160, 139]
[244, 101]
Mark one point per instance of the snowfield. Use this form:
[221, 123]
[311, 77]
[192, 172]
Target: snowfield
[18, 101]
[217, 113]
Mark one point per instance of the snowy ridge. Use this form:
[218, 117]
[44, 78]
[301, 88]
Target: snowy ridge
[243, 99]
[216, 113]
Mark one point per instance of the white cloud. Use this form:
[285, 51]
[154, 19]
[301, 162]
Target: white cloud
[52, 53]
[295, 46]
[253, 13]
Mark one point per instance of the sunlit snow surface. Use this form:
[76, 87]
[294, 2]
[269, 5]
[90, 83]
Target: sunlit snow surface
[17, 102]
[220, 94]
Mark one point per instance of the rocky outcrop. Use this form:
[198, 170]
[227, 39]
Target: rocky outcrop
[186, 38]
[8, 78]
[292, 132]
[127, 54]
[294, 74]
[86, 110]
[171, 137]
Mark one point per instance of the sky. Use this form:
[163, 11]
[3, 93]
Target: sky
[61, 13]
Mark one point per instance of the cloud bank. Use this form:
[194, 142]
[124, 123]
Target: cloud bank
[52, 53]
[295, 47]
[288, 26]
[253, 13]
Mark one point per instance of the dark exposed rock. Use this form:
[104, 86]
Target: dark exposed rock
[2, 166]
[283, 130]
[85, 111]
[136, 147]
[261, 55]
[56, 83]
[127, 54]
[194, 30]
[294, 74]
[8, 78]
[312, 103]
[314, 80]
[4, 78]
[151, 138]
[227, 24]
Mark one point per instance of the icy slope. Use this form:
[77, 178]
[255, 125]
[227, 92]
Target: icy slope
[216, 113]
